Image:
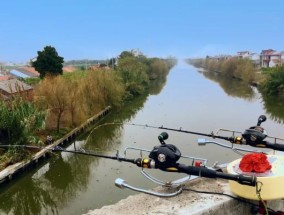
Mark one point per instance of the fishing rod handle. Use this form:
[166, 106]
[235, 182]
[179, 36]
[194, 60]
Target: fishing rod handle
[198, 171]
[209, 173]
[241, 179]
[261, 144]
[274, 146]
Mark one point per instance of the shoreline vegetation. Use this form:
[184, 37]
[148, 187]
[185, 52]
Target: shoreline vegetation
[63, 102]
[269, 81]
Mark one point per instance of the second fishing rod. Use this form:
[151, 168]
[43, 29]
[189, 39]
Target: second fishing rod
[254, 136]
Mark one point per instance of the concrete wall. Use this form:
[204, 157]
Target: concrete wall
[186, 203]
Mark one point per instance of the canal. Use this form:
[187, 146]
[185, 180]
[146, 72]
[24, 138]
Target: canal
[188, 99]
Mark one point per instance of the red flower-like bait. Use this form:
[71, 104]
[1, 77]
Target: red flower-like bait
[255, 162]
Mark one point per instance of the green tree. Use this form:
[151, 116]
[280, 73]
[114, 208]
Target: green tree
[274, 84]
[133, 74]
[48, 62]
[126, 54]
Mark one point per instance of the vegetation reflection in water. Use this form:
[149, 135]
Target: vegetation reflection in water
[232, 87]
[236, 88]
[54, 184]
[274, 108]
[28, 196]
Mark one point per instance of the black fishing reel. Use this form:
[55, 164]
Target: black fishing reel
[165, 155]
[255, 134]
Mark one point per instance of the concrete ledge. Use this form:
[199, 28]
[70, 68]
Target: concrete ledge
[186, 203]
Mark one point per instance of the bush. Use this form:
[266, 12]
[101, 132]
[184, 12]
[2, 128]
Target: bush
[19, 120]
[274, 83]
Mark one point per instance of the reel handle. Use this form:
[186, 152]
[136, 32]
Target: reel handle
[261, 119]
[162, 137]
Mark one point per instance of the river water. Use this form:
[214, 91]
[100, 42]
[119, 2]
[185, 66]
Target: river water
[188, 99]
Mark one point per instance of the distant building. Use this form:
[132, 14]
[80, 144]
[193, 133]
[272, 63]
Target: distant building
[219, 57]
[18, 74]
[267, 58]
[13, 87]
[4, 77]
[28, 70]
[271, 58]
[248, 55]
[244, 54]
[31, 72]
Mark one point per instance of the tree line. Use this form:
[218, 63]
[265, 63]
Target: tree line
[67, 100]
[243, 69]
[72, 98]
[270, 80]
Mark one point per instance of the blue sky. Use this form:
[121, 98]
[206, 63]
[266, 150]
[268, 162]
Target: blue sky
[100, 29]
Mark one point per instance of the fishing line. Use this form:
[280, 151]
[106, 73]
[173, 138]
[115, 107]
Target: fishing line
[224, 194]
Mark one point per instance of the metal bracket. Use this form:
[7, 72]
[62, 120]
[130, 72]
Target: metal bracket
[203, 142]
[122, 184]
[175, 183]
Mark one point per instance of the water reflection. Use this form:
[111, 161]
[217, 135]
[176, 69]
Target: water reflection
[274, 108]
[51, 188]
[55, 175]
[235, 88]
[28, 196]
[157, 85]
[232, 87]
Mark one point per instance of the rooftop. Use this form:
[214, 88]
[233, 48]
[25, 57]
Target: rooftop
[14, 85]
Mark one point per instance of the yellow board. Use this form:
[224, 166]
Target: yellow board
[272, 180]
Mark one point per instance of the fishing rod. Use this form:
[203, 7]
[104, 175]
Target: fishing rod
[163, 157]
[80, 151]
[183, 131]
[253, 136]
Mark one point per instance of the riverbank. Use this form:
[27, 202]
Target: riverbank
[11, 171]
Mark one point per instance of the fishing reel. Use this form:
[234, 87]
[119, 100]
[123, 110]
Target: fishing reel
[165, 155]
[255, 134]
